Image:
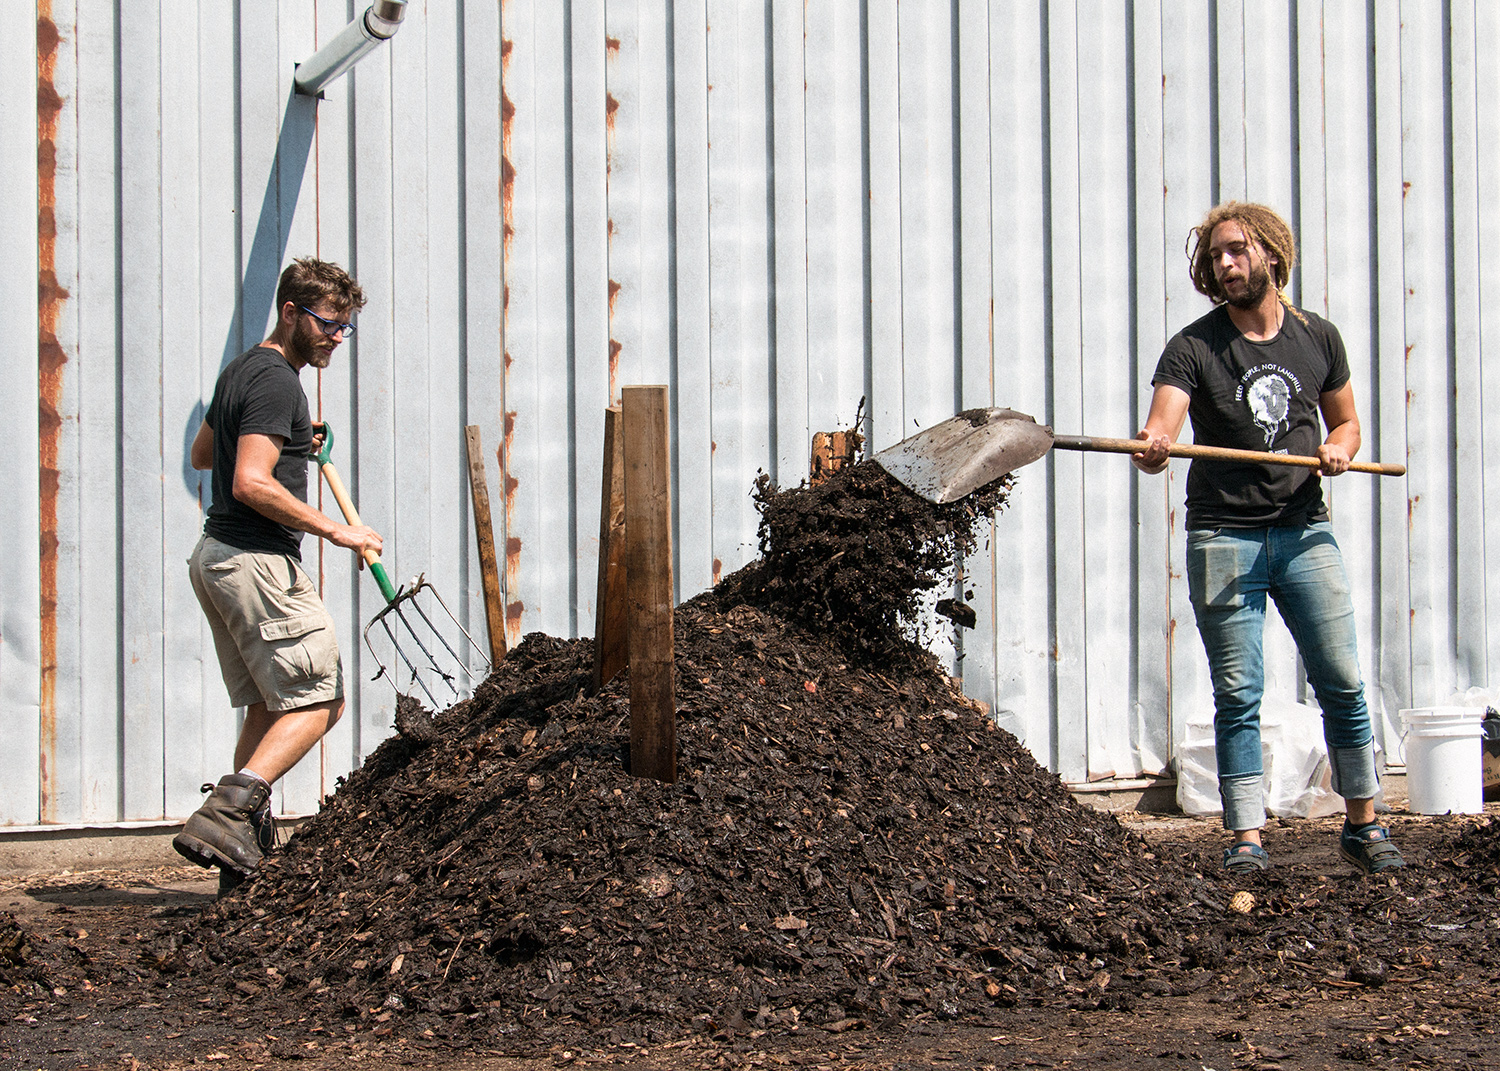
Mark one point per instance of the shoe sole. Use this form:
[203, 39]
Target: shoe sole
[1364, 867]
[204, 854]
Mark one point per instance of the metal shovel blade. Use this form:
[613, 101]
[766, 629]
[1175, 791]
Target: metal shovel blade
[963, 453]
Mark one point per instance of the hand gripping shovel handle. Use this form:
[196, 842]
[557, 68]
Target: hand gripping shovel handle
[1220, 453]
[351, 515]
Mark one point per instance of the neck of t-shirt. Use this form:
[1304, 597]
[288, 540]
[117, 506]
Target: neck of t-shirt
[1262, 323]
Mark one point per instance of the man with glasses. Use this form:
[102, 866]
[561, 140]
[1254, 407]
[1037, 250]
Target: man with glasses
[274, 638]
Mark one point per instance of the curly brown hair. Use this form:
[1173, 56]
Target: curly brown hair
[1261, 225]
[308, 281]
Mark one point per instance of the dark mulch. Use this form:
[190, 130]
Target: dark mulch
[851, 843]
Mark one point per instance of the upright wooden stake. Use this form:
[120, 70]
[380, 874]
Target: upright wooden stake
[831, 451]
[611, 653]
[648, 583]
[489, 568]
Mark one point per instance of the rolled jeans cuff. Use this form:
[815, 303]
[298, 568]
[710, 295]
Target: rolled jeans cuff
[1244, 802]
[1353, 771]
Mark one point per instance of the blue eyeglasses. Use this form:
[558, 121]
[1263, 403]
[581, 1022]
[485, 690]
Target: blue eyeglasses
[329, 327]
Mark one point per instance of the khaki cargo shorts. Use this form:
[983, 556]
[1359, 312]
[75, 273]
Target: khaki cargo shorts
[274, 637]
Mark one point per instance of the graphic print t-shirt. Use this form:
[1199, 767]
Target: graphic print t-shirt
[1254, 396]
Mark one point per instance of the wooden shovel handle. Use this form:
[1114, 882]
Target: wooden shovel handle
[1219, 453]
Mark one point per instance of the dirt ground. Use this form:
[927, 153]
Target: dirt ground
[854, 867]
[1438, 1014]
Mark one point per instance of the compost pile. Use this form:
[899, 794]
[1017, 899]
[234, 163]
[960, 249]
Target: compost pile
[850, 841]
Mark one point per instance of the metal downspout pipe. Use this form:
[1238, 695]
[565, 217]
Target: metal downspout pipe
[379, 23]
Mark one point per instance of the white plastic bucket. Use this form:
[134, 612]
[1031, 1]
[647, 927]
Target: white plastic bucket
[1444, 759]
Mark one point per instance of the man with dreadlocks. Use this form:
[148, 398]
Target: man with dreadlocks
[1256, 373]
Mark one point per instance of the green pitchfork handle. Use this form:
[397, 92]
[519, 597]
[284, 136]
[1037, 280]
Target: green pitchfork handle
[351, 515]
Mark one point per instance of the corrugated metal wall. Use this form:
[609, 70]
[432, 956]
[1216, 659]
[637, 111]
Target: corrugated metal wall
[777, 207]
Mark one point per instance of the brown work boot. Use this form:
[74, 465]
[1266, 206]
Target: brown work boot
[220, 833]
[263, 822]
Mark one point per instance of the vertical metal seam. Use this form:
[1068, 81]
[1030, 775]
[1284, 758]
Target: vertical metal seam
[773, 364]
[570, 128]
[466, 537]
[674, 401]
[1297, 285]
[866, 235]
[1214, 167]
[46, 41]
[1048, 378]
[1133, 335]
[119, 396]
[955, 90]
[1450, 341]
[161, 414]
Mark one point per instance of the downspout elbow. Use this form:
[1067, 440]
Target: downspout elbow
[378, 24]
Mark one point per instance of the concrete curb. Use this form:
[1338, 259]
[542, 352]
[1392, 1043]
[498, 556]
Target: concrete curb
[127, 846]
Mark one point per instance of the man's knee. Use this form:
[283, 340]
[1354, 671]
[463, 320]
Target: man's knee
[330, 712]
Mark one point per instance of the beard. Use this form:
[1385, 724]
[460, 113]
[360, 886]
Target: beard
[308, 347]
[1256, 285]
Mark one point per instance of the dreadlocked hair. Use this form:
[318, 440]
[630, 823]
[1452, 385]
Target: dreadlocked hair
[1262, 226]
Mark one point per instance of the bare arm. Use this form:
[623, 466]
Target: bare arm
[1344, 439]
[1169, 406]
[201, 456]
[256, 485]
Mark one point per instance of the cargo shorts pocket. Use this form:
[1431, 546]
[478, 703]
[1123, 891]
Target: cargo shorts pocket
[303, 647]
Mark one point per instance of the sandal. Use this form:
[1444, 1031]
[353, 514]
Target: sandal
[1246, 856]
[1370, 848]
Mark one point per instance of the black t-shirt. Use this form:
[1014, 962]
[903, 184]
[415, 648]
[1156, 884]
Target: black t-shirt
[258, 393]
[1254, 396]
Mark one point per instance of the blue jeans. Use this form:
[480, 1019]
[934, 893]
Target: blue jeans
[1230, 573]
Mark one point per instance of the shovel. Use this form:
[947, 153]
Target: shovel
[963, 453]
[399, 625]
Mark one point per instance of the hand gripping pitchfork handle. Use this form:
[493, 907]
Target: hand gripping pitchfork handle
[351, 515]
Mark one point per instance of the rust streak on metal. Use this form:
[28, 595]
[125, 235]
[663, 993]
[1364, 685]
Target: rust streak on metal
[503, 452]
[507, 171]
[507, 443]
[611, 108]
[612, 46]
[718, 569]
[508, 486]
[51, 357]
[515, 608]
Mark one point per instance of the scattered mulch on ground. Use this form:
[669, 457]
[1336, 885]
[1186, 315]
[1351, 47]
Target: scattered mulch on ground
[17, 969]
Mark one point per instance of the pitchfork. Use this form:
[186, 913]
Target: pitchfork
[394, 619]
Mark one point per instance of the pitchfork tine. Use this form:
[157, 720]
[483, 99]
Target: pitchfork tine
[415, 676]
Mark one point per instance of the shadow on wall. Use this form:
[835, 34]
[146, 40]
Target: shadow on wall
[257, 291]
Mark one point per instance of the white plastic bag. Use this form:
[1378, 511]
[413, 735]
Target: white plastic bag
[1293, 757]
